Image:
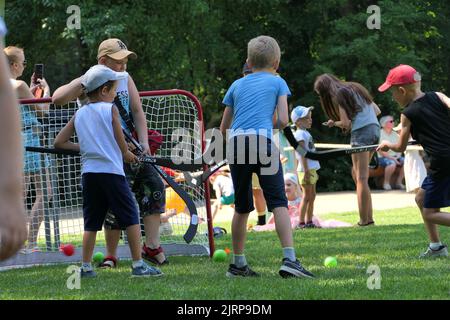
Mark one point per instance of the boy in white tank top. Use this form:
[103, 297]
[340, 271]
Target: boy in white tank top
[103, 149]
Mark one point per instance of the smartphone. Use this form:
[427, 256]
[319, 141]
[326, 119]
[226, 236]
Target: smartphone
[39, 71]
[38, 74]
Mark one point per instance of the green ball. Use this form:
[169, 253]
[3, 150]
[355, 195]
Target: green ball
[219, 255]
[330, 262]
[98, 257]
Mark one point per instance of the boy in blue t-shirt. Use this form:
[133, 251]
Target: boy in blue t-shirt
[251, 103]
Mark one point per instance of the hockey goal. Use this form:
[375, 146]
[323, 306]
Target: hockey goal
[53, 196]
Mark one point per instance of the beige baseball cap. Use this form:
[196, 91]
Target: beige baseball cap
[115, 49]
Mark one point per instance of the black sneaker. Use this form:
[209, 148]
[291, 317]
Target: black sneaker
[234, 271]
[290, 269]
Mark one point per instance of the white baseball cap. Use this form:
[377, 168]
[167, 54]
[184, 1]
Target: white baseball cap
[98, 75]
[291, 177]
[300, 112]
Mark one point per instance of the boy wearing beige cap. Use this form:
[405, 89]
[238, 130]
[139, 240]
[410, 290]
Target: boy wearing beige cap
[114, 54]
[426, 116]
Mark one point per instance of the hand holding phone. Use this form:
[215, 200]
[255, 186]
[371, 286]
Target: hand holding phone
[38, 74]
[39, 71]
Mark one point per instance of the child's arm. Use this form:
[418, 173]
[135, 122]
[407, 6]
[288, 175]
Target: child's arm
[68, 92]
[281, 120]
[227, 119]
[444, 99]
[62, 140]
[402, 143]
[344, 122]
[138, 115]
[305, 163]
[128, 156]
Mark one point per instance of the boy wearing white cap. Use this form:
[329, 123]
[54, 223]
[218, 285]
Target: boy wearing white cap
[307, 168]
[103, 150]
[150, 191]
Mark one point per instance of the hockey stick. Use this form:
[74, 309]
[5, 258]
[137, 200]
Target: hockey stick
[328, 154]
[164, 162]
[198, 180]
[192, 229]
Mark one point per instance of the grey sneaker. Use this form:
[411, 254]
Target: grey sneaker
[144, 270]
[234, 272]
[87, 274]
[430, 253]
[291, 269]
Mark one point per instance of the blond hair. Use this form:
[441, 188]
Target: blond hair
[263, 52]
[12, 53]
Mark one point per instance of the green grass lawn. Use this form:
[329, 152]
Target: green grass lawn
[393, 245]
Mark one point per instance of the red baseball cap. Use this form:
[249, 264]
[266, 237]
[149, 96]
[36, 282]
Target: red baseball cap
[402, 74]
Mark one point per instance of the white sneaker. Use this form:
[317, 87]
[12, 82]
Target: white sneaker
[400, 186]
[430, 253]
[387, 187]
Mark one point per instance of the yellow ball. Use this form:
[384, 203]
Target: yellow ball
[174, 201]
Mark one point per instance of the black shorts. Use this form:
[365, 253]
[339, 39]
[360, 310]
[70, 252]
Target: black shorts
[270, 174]
[437, 192]
[148, 189]
[103, 192]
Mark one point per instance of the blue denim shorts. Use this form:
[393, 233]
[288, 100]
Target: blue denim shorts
[385, 162]
[365, 136]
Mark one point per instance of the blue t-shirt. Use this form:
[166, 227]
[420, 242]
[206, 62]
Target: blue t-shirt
[254, 99]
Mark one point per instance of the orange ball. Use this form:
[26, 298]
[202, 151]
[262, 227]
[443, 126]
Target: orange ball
[174, 201]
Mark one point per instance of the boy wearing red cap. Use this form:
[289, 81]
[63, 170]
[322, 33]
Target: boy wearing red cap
[426, 116]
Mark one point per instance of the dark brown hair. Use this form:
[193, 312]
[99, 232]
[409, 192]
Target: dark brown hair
[326, 86]
[346, 98]
[108, 85]
[334, 92]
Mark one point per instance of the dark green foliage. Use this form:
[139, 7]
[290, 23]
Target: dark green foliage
[200, 46]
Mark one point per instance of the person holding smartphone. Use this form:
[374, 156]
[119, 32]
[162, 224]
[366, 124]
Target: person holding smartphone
[33, 165]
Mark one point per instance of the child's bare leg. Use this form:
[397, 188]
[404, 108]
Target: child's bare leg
[152, 237]
[361, 164]
[239, 232]
[283, 226]
[134, 241]
[304, 204]
[88, 245]
[431, 228]
[112, 237]
[215, 209]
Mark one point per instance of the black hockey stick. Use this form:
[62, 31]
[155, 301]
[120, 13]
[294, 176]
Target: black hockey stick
[192, 229]
[197, 180]
[328, 154]
[164, 162]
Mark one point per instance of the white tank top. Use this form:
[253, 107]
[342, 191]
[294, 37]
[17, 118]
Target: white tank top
[100, 152]
[123, 95]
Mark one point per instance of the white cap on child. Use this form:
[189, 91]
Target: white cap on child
[3, 30]
[98, 75]
[300, 112]
[291, 177]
